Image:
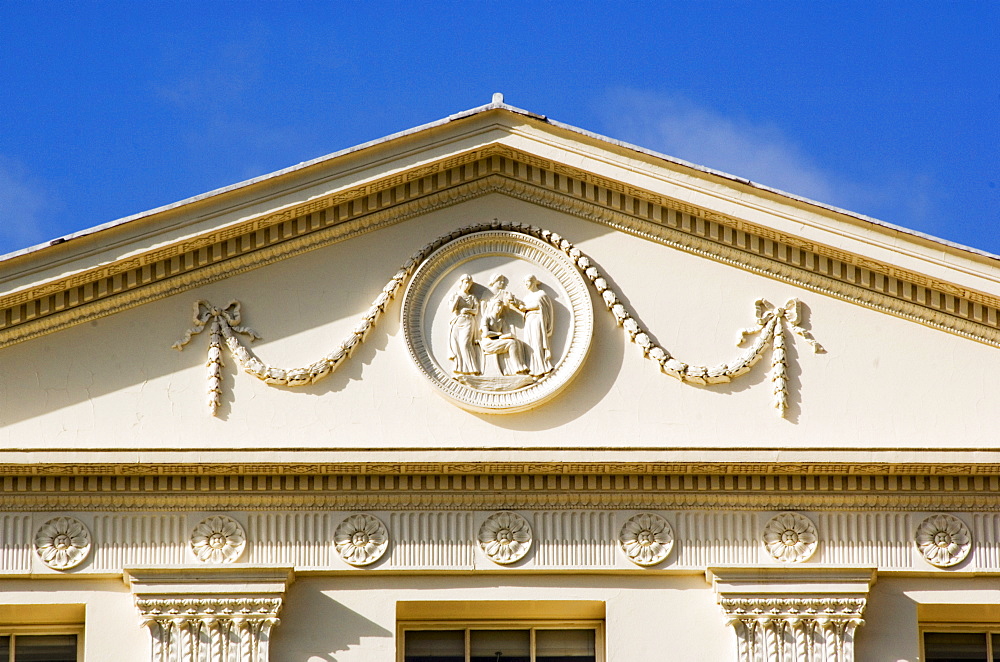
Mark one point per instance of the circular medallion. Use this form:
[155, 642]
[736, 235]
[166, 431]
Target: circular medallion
[943, 540]
[790, 537]
[361, 539]
[62, 543]
[499, 321]
[218, 539]
[505, 537]
[646, 539]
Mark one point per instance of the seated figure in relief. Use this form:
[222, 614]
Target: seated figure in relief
[495, 337]
[539, 320]
[462, 329]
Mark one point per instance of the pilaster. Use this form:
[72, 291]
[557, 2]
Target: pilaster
[222, 614]
[793, 614]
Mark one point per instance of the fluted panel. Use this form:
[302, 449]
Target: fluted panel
[431, 540]
[706, 538]
[15, 543]
[986, 541]
[883, 540]
[296, 539]
[575, 538]
[132, 540]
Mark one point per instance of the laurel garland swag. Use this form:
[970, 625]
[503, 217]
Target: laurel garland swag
[772, 323]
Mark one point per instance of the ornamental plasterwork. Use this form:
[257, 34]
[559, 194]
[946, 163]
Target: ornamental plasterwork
[499, 321]
[177, 267]
[218, 539]
[593, 537]
[790, 537]
[943, 540]
[361, 539]
[198, 629]
[493, 350]
[505, 537]
[217, 614]
[793, 628]
[62, 543]
[646, 539]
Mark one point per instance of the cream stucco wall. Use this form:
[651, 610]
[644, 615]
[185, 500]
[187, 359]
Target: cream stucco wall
[354, 618]
[886, 395]
[884, 382]
[111, 627]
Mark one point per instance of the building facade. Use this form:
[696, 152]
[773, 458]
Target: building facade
[498, 389]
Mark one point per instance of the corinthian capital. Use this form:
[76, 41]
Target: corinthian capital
[802, 614]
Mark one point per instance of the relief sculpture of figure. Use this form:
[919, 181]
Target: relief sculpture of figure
[494, 337]
[539, 319]
[462, 329]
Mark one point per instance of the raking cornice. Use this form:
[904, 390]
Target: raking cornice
[88, 294]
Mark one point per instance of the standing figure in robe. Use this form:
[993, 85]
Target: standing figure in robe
[494, 336]
[462, 349]
[539, 318]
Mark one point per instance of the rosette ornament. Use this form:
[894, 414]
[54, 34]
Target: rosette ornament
[361, 539]
[646, 539]
[218, 539]
[505, 537]
[943, 540]
[790, 537]
[62, 543]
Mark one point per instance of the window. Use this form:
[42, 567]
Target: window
[38, 648]
[500, 631]
[956, 646]
[501, 643]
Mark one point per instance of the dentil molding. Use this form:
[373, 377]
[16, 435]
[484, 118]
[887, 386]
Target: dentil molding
[261, 239]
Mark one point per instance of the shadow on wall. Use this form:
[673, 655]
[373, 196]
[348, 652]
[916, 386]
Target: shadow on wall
[315, 627]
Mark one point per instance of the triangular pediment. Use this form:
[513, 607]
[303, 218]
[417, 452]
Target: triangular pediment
[661, 247]
[519, 155]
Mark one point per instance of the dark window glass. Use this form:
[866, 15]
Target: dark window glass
[434, 646]
[565, 646]
[500, 645]
[5, 648]
[955, 647]
[996, 647]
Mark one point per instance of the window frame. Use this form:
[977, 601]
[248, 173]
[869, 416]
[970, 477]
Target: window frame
[14, 631]
[985, 628]
[466, 625]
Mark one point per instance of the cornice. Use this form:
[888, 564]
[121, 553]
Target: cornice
[419, 501]
[251, 243]
[508, 490]
[41, 468]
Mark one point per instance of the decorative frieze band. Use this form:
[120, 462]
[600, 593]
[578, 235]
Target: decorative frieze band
[463, 541]
[388, 488]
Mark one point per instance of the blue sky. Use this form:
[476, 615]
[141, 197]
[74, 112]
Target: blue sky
[890, 109]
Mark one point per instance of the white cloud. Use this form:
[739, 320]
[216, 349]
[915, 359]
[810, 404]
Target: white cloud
[24, 206]
[676, 126]
[763, 153]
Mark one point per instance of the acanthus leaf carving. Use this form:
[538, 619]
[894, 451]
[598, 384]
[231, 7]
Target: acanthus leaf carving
[195, 629]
